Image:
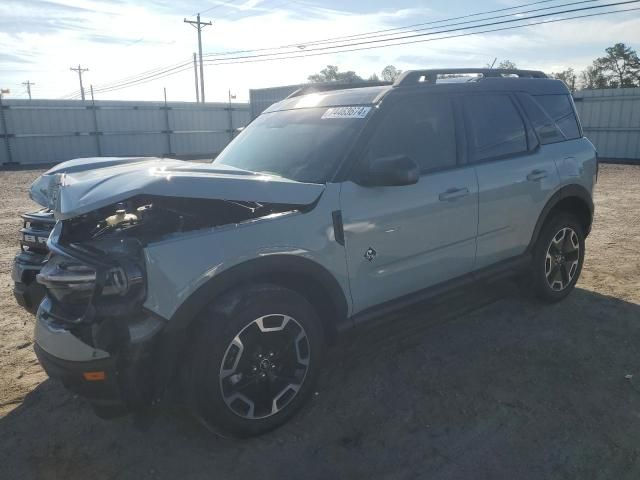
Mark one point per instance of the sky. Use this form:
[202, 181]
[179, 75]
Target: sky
[40, 40]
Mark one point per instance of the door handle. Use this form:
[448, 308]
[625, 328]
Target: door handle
[453, 194]
[536, 175]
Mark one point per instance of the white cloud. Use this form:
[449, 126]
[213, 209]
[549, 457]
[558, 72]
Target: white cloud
[121, 39]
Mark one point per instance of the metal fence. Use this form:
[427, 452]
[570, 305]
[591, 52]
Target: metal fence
[51, 131]
[262, 98]
[611, 120]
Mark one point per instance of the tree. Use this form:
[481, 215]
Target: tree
[592, 77]
[568, 76]
[504, 64]
[507, 65]
[373, 78]
[620, 66]
[390, 73]
[331, 74]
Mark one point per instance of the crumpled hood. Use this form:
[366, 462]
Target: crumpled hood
[80, 186]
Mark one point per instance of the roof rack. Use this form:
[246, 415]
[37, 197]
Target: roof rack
[412, 77]
[328, 86]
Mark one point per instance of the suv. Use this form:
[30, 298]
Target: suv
[227, 280]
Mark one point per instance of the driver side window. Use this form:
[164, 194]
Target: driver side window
[422, 128]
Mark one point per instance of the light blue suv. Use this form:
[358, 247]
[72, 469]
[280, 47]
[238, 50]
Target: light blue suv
[225, 281]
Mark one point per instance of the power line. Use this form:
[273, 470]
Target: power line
[222, 59]
[422, 40]
[513, 27]
[409, 39]
[375, 33]
[161, 71]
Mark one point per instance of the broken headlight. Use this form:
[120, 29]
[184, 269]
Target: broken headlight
[70, 281]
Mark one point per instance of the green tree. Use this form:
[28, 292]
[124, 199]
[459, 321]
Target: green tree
[331, 74]
[592, 77]
[504, 64]
[568, 76]
[390, 73]
[507, 65]
[620, 66]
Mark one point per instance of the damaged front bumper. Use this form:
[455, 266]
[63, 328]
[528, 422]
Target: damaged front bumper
[91, 332]
[114, 382]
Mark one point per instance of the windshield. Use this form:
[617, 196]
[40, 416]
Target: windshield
[305, 145]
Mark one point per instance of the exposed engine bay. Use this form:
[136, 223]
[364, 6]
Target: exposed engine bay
[96, 269]
[147, 218]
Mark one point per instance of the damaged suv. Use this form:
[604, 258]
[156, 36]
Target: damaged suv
[225, 281]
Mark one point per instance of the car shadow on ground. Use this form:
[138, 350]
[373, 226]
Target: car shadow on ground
[485, 384]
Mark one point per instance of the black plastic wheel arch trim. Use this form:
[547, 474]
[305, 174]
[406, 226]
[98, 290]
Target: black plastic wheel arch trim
[568, 191]
[247, 272]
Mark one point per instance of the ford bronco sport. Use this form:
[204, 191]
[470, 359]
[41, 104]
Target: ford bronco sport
[226, 280]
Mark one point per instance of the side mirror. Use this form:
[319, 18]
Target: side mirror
[393, 171]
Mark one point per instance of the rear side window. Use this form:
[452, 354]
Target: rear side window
[559, 108]
[422, 128]
[494, 127]
[543, 124]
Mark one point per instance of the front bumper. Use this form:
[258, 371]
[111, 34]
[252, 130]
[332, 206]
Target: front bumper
[115, 381]
[28, 292]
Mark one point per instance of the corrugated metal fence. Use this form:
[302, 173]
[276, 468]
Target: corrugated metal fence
[262, 98]
[611, 120]
[51, 131]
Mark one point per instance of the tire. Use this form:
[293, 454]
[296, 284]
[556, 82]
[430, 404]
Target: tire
[256, 360]
[558, 257]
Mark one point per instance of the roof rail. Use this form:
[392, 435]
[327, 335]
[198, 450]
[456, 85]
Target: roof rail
[412, 77]
[328, 86]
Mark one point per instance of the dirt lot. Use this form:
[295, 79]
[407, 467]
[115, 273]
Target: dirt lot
[489, 384]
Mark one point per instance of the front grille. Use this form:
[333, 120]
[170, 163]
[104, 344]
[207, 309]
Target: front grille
[35, 230]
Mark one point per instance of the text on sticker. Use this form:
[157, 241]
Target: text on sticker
[346, 112]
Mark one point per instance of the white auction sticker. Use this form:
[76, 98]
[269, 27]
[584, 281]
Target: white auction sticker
[346, 112]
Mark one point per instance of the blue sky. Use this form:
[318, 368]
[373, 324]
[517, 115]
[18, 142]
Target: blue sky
[41, 39]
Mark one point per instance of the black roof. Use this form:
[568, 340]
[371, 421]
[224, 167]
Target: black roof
[492, 80]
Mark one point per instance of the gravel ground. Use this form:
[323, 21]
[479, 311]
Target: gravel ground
[489, 384]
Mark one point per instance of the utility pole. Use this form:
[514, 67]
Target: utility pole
[28, 85]
[195, 74]
[230, 109]
[80, 71]
[198, 25]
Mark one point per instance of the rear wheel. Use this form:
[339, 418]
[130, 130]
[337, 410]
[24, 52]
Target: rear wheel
[558, 257]
[256, 360]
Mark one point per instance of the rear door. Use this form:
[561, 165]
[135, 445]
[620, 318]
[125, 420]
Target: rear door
[402, 239]
[515, 176]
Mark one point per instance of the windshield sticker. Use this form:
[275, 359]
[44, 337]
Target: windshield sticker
[346, 112]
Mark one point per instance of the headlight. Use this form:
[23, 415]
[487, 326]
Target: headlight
[70, 281]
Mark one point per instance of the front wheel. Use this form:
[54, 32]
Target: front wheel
[558, 257]
[256, 359]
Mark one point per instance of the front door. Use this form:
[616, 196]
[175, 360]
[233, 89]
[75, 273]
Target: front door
[402, 239]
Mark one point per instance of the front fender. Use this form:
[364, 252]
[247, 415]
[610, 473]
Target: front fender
[186, 264]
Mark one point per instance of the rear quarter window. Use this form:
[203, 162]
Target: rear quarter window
[560, 110]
